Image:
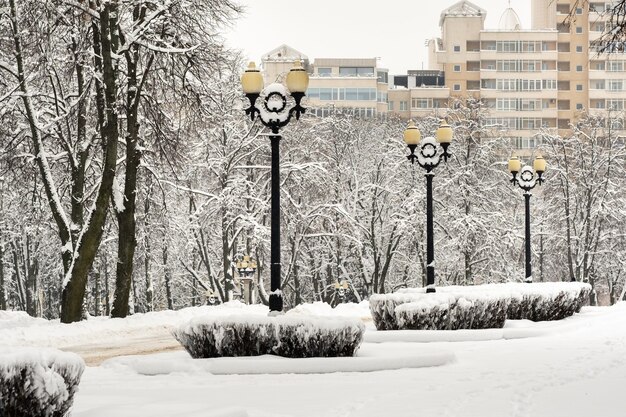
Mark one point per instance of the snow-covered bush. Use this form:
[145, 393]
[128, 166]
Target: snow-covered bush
[38, 382]
[478, 306]
[383, 308]
[547, 301]
[429, 312]
[289, 336]
[448, 311]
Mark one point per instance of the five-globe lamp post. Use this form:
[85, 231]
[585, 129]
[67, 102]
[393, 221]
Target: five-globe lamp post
[275, 110]
[527, 178]
[432, 150]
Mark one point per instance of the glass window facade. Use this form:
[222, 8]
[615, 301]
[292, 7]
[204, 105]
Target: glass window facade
[356, 71]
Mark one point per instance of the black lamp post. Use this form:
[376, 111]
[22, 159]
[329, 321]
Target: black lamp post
[431, 152]
[527, 180]
[275, 112]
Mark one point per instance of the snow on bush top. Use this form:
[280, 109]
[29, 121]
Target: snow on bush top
[47, 376]
[324, 323]
[515, 290]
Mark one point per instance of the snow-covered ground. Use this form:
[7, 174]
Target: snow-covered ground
[574, 367]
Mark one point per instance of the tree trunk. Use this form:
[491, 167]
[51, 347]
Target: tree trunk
[107, 293]
[3, 300]
[147, 255]
[96, 295]
[85, 252]
[168, 278]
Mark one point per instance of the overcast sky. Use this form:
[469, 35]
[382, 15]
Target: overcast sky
[393, 30]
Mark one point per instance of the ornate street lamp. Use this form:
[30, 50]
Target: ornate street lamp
[278, 105]
[340, 289]
[432, 150]
[246, 268]
[527, 180]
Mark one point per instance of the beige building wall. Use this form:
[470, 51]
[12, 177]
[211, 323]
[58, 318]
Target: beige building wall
[543, 14]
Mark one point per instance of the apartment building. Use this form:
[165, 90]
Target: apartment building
[357, 85]
[545, 76]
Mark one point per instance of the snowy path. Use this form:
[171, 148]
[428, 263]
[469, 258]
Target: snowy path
[96, 353]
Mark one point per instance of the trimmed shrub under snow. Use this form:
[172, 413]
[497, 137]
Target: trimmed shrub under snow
[477, 307]
[293, 337]
[38, 382]
[448, 311]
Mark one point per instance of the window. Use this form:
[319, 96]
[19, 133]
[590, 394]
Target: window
[457, 48]
[326, 93]
[403, 106]
[579, 48]
[457, 87]
[579, 106]
[579, 87]
[457, 68]
[525, 142]
[488, 84]
[579, 10]
[616, 85]
[579, 68]
[421, 103]
[390, 106]
[383, 77]
[597, 84]
[507, 85]
[506, 104]
[324, 72]
[549, 84]
[615, 66]
[341, 94]
[356, 71]
[579, 29]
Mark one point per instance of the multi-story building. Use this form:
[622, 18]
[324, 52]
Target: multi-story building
[354, 84]
[545, 76]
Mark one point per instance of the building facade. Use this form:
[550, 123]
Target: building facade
[543, 77]
[357, 85]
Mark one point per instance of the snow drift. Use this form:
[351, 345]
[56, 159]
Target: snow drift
[38, 382]
[477, 307]
[289, 336]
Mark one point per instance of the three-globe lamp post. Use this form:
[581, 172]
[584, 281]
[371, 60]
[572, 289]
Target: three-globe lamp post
[432, 150]
[527, 178]
[277, 106]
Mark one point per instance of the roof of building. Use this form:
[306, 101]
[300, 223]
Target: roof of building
[284, 53]
[509, 20]
[463, 8]
[345, 62]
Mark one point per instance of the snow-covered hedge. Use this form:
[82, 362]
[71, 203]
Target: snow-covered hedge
[439, 311]
[548, 301]
[293, 337]
[38, 382]
[477, 307]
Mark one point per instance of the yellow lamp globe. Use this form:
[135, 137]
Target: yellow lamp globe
[412, 135]
[444, 133]
[515, 165]
[539, 164]
[297, 78]
[252, 80]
